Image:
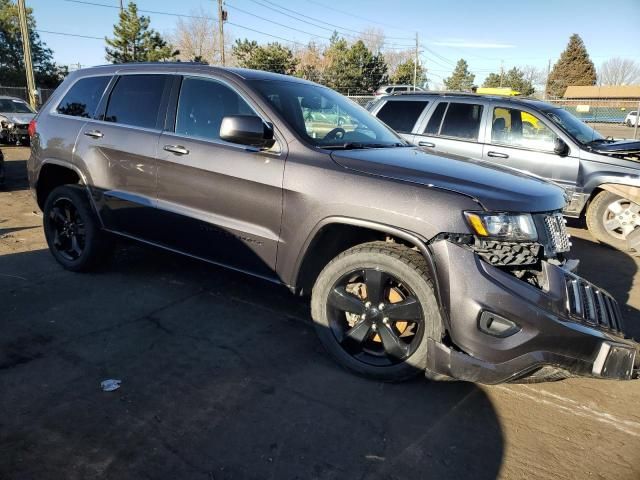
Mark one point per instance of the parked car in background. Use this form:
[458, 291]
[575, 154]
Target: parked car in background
[15, 115]
[392, 89]
[415, 262]
[631, 119]
[601, 176]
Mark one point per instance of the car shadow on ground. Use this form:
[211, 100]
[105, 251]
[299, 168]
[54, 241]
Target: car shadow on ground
[222, 377]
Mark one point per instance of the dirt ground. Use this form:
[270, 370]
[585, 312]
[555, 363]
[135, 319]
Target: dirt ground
[616, 130]
[223, 378]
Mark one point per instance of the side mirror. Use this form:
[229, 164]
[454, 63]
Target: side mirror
[560, 147]
[246, 130]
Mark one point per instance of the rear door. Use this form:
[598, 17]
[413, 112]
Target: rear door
[453, 126]
[222, 200]
[119, 149]
[524, 140]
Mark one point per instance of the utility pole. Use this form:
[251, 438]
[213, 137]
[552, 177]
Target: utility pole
[121, 7]
[26, 48]
[222, 16]
[546, 80]
[501, 71]
[415, 65]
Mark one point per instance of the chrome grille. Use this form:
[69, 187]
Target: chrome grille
[589, 304]
[557, 233]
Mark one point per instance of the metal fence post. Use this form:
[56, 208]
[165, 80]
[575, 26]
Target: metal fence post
[635, 129]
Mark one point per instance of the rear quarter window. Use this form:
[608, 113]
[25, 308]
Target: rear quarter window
[401, 115]
[83, 97]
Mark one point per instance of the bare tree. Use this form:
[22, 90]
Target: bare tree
[373, 38]
[196, 37]
[536, 76]
[397, 57]
[619, 71]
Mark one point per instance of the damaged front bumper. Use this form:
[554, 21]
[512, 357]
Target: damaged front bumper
[502, 329]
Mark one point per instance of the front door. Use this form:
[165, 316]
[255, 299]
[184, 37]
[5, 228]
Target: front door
[220, 201]
[524, 141]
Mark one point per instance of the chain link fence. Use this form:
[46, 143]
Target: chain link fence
[21, 92]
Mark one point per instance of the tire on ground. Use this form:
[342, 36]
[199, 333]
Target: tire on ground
[595, 222]
[97, 242]
[403, 263]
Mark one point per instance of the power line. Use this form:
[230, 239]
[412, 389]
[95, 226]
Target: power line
[319, 21]
[66, 34]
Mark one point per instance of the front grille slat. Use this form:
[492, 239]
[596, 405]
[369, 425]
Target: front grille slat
[589, 304]
[557, 234]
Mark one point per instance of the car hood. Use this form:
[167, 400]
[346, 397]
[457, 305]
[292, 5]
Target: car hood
[497, 189]
[18, 117]
[620, 147]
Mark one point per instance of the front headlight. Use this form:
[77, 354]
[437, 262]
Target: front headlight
[503, 226]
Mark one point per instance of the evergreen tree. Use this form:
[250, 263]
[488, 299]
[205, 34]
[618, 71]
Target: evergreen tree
[272, 57]
[461, 78]
[134, 41]
[404, 74]
[514, 79]
[353, 69]
[574, 68]
[12, 71]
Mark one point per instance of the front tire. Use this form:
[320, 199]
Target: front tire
[610, 218]
[73, 231]
[374, 309]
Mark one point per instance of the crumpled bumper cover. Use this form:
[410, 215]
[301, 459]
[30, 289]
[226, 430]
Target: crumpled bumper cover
[548, 334]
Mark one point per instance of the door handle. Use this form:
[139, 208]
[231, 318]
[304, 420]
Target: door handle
[94, 134]
[497, 155]
[176, 149]
[426, 144]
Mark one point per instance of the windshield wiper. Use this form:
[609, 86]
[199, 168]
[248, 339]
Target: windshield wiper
[360, 145]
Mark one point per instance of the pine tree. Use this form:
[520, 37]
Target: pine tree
[574, 68]
[353, 69]
[461, 79]
[514, 79]
[404, 74]
[46, 72]
[271, 57]
[134, 41]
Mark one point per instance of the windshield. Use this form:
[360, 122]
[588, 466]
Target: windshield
[325, 118]
[576, 128]
[10, 105]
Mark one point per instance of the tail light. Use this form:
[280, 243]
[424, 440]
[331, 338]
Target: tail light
[31, 130]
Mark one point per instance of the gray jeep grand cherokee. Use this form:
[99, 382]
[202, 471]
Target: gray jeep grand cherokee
[601, 175]
[414, 262]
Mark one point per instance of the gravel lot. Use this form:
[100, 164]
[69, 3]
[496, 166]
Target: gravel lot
[222, 378]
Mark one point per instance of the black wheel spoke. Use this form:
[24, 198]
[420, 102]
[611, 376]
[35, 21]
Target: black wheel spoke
[391, 342]
[359, 332]
[75, 247]
[57, 216]
[376, 281]
[407, 309]
[343, 300]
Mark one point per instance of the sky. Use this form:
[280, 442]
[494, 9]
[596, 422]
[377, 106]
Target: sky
[487, 33]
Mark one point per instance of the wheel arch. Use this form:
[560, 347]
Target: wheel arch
[333, 235]
[54, 173]
[630, 192]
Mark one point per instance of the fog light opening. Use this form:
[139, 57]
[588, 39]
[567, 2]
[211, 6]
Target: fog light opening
[497, 326]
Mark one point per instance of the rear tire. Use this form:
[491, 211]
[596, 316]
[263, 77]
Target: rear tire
[597, 214]
[73, 231]
[395, 349]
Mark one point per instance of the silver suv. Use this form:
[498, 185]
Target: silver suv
[601, 175]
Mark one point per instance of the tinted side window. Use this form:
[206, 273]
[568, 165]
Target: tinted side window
[433, 127]
[462, 121]
[82, 99]
[135, 100]
[401, 116]
[202, 106]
